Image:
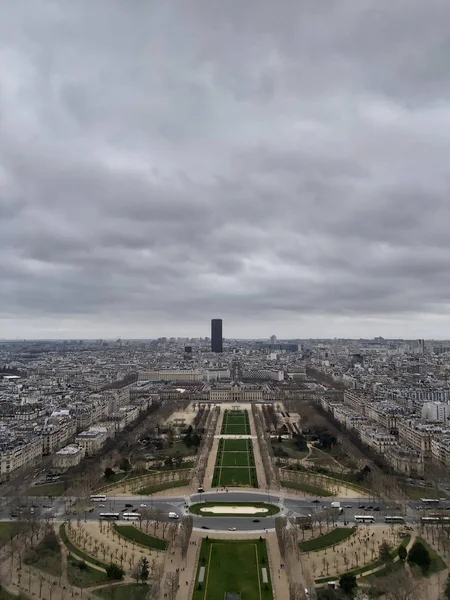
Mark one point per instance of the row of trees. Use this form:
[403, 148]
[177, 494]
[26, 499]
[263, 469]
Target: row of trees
[266, 450]
[208, 440]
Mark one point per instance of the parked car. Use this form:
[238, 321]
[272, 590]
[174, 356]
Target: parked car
[204, 527]
[143, 505]
[362, 506]
[231, 528]
[348, 506]
[377, 509]
[128, 506]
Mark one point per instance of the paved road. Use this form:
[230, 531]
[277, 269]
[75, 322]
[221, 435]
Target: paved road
[180, 505]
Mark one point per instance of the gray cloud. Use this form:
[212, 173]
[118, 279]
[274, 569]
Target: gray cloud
[283, 166]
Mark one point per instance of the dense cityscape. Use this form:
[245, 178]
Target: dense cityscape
[224, 301]
[187, 432]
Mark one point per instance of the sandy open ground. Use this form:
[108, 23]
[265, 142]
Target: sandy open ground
[237, 510]
[188, 416]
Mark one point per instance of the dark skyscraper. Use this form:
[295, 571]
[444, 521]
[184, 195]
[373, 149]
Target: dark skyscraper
[216, 335]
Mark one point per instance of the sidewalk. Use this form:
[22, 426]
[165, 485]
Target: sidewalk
[189, 568]
[257, 453]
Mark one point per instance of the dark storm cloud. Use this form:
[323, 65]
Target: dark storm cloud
[162, 163]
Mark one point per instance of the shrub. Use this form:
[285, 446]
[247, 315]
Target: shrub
[114, 572]
[419, 555]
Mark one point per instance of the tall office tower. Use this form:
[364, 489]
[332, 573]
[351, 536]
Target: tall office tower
[216, 335]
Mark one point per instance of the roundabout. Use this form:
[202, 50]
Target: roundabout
[234, 509]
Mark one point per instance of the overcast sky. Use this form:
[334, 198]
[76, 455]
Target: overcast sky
[282, 165]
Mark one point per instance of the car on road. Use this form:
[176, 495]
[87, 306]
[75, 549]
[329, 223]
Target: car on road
[348, 506]
[101, 505]
[204, 527]
[128, 506]
[231, 528]
[256, 521]
[143, 505]
[316, 501]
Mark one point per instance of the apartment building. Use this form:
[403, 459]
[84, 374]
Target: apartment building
[173, 375]
[440, 450]
[419, 435]
[355, 401]
[123, 417]
[56, 432]
[217, 374]
[91, 442]
[405, 460]
[378, 439]
[437, 412]
[68, 457]
[17, 454]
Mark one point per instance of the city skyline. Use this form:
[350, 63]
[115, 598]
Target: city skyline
[281, 166]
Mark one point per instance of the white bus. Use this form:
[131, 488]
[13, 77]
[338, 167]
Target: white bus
[98, 498]
[430, 500]
[110, 516]
[394, 519]
[131, 516]
[435, 519]
[364, 518]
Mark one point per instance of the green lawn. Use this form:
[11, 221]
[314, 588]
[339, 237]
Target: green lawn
[77, 551]
[437, 564]
[235, 468]
[46, 556]
[337, 535]
[47, 489]
[235, 429]
[370, 566]
[233, 566]
[196, 509]
[416, 492]
[160, 487]
[133, 534]
[131, 591]
[236, 445]
[235, 477]
[5, 595]
[289, 447]
[235, 423]
[321, 459]
[312, 490]
[7, 530]
[83, 576]
[113, 479]
[234, 459]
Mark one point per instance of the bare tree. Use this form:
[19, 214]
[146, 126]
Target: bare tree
[171, 584]
[296, 591]
[401, 586]
[186, 527]
[280, 529]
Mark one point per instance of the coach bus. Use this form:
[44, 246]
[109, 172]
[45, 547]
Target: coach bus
[131, 516]
[364, 519]
[394, 519]
[430, 500]
[436, 519]
[99, 498]
[110, 516]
